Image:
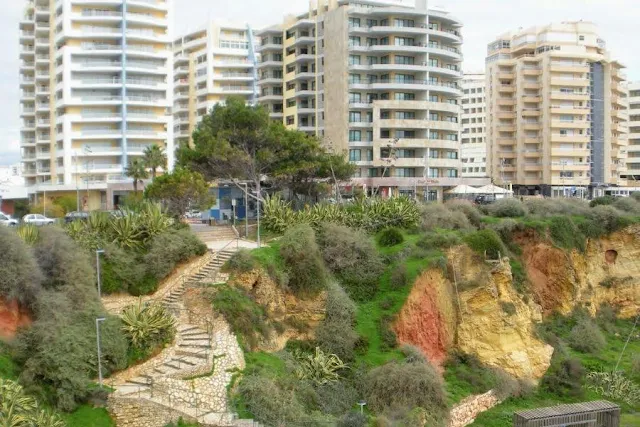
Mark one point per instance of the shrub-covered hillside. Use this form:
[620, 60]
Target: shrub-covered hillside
[368, 272]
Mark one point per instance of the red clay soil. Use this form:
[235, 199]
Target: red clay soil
[422, 324]
[549, 272]
[12, 317]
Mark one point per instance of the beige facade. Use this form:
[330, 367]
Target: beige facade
[556, 110]
[210, 64]
[375, 80]
[96, 91]
[633, 149]
[473, 117]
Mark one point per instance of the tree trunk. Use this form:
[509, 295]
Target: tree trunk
[153, 173]
[135, 185]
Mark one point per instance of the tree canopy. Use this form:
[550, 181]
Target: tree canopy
[179, 190]
[238, 142]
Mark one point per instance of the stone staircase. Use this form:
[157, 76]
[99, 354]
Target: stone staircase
[208, 271]
[215, 233]
[189, 379]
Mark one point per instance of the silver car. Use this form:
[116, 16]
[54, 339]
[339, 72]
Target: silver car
[37, 219]
[7, 220]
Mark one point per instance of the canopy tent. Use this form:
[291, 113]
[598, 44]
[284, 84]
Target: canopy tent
[492, 189]
[463, 189]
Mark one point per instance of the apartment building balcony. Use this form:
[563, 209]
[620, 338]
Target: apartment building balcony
[244, 77]
[531, 112]
[532, 167]
[618, 101]
[620, 114]
[506, 127]
[269, 47]
[562, 166]
[506, 88]
[556, 81]
[531, 71]
[505, 75]
[569, 152]
[304, 75]
[506, 101]
[568, 67]
[584, 96]
[559, 109]
[506, 114]
[27, 142]
[574, 124]
[360, 124]
[269, 64]
[531, 98]
[239, 63]
[531, 125]
[507, 154]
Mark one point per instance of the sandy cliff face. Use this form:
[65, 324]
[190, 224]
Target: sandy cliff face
[297, 318]
[476, 309]
[485, 316]
[12, 317]
[608, 272]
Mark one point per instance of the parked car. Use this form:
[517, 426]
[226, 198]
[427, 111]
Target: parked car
[7, 220]
[37, 219]
[76, 216]
[193, 214]
[485, 199]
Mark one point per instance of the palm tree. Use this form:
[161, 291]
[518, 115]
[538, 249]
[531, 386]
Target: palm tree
[154, 157]
[138, 171]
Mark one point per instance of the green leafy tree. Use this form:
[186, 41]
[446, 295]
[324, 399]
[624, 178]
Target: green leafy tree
[154, 157]
[137, 171]
[239, 142]
[179, 190]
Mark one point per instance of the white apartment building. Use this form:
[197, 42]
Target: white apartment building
[557, 112]
[473, 117]
[376, 80]
[633, 149]
[211, 63]
[96, 80]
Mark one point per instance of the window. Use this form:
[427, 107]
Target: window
[452, 173]
[372, 22]
[368, 155]
[355, 116]
[355, 135]
[369, 137]
[371, 41]
[372, 60]
[434, 116]
[581, 38]
[354, 155]
[234, 44]
[354, 97]
[451, 154]
[354, 22]
[291, 102]
[405, 172]
[433, 63]
[404, 153]
[434, 135]
[291, 68]
[354, 41]
[354, 59]
[404, 22]
[290, 34]
[354, 78]
[291, 86]
[408, 134]
[405, 60]
[405, 96]
[404, 41]
[405, 115]
[434, 98]
[290, 120]
[277, 40]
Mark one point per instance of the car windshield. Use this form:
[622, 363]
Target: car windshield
[38, 216]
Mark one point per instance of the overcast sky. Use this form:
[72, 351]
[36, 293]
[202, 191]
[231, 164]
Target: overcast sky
[483, 20]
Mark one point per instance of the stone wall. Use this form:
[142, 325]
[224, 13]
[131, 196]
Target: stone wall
[465, 412]
[134, 412]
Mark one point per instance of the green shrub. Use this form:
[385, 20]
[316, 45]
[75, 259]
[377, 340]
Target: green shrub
[552, 207]
[614, 385]
[635, 195]
[353, 419]
[508, 307]
[58, 352]
[388, 337]
[336, 398]
[353, 258]
[442, 240]
[566, 234]
[602, 201]
[506, 228]
[246, 318]
[336, 333]
[241, 262]
[486, 242]
[303, 261]
[399, 277]
[405, 385]
[412, 354]
[519, 275]
[635, 364]
[145, 286]
[436, 215]
[18, 409]
[468, 209]
[565, 377]
[606, 316]
[20, 277]
[586, 337]
[507, 208]
[390, 237]
[627, 204]
[269, 403]
[169, 248]
[120, 270]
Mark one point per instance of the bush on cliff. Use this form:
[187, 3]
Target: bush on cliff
[303, 261]
[586, 337]
[336, 334]
[353, 259]
[436, 215]
[20, 277]
[486, 242]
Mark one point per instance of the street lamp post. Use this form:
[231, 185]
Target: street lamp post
[98, 252]
[98, 321]
[362, 404]
[246, 211]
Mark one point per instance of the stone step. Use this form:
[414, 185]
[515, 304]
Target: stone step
[196, 353]
[196, 344]
[195, 339]
[187, 328]
[186, 360]
[165, 370]
[143, 380]
[131, 388]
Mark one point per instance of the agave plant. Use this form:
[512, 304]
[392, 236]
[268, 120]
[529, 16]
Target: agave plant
[614, 385]
[98, 222]
[126, 231]
[16, 408]
[153, 220]
[319, 368]
[277, 214]
[147, 325]
[47, 418]
[29, 233]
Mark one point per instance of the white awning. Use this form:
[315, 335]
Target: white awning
[463, 189]
[493, 189]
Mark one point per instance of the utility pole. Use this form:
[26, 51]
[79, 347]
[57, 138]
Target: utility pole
[98, 321]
